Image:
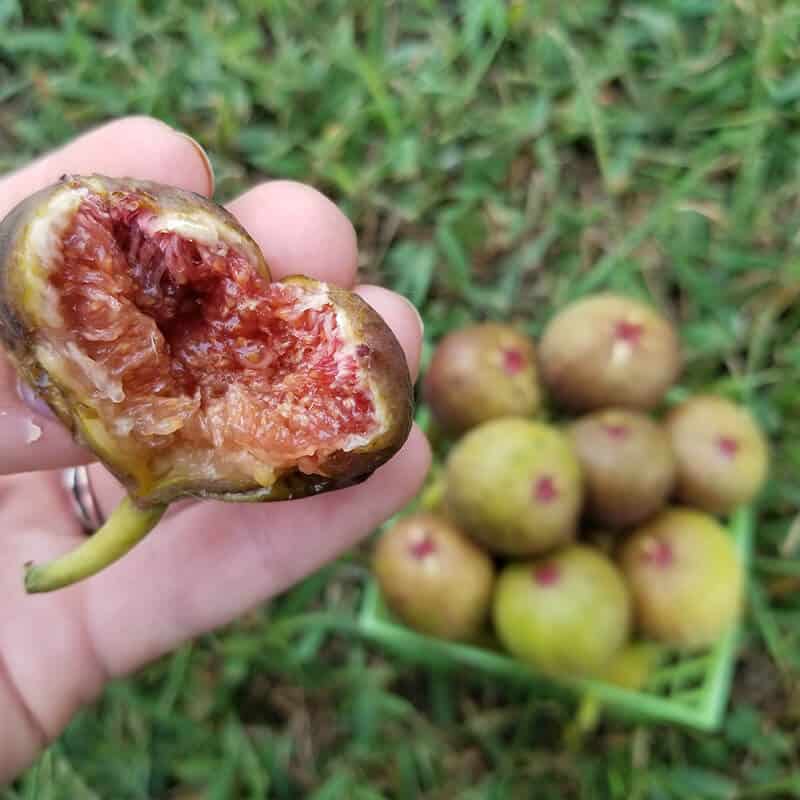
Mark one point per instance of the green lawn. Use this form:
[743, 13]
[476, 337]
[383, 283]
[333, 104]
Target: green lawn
[497, 159]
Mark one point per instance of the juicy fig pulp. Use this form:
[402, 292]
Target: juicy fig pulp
[146, 317]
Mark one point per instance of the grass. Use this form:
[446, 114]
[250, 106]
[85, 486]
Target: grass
[497, 159]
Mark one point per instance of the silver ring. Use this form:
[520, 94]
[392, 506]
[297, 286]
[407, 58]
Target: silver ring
[84, 503]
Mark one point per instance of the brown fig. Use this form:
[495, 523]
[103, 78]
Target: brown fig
[146, 317]
[627, 464]
[685, 576]
[482, 372]
[609, 350]
[433, 577]
[721, 453]
[514, 485]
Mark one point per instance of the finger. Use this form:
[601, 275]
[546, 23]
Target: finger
[214, 561]
[37, 632]
[22, 497]
[135, 147]
[300, 231]
[31, 438]
[402, 317]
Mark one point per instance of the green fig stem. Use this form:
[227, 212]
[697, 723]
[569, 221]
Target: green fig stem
[127, 525]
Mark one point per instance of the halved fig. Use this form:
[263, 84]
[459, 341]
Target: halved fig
[146, 317]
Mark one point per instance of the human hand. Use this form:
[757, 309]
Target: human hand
[207, 562]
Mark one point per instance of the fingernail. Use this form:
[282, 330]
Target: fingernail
[33, 401]
[418, 315]
[205, 159]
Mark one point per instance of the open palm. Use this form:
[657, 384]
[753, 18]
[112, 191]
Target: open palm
[207, 562]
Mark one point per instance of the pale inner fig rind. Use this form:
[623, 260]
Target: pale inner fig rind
[203, 447]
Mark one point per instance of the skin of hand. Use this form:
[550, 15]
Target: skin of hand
[208, 562]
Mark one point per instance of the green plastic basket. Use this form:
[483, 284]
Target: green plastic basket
[688, 690]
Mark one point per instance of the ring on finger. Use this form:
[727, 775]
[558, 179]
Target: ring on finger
[84, 503]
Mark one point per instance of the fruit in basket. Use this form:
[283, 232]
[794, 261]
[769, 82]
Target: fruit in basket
[632, 666]
[567, 613]
[685, 576]
[481, 372]
[515, 486]
[432, 495]
[433, 577]
[604, 540]
[627, 464]
[146, 317]
[721, 453]
[609, 350]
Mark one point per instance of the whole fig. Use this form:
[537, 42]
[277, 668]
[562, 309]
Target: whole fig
[609, 350]
[567, 613]
[515, 486]
[481, 372]
[627, 463]
[722, 454]
[686, 578]
[436, 579]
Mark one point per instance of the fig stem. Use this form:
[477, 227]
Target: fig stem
[127, 525]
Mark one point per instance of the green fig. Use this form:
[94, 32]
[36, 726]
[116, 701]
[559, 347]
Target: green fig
[566, 614]
[627, 463]
[685, 576]
[632, 666]
[514, 485]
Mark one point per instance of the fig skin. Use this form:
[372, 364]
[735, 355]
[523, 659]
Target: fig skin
[514, 485]
[632, 666]
[627, 463]
[566, 614]
[608, 350]
[482, 372]
[18, 331]
[434, 578]
[722, 455]
[685, 577]
[604, 540]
